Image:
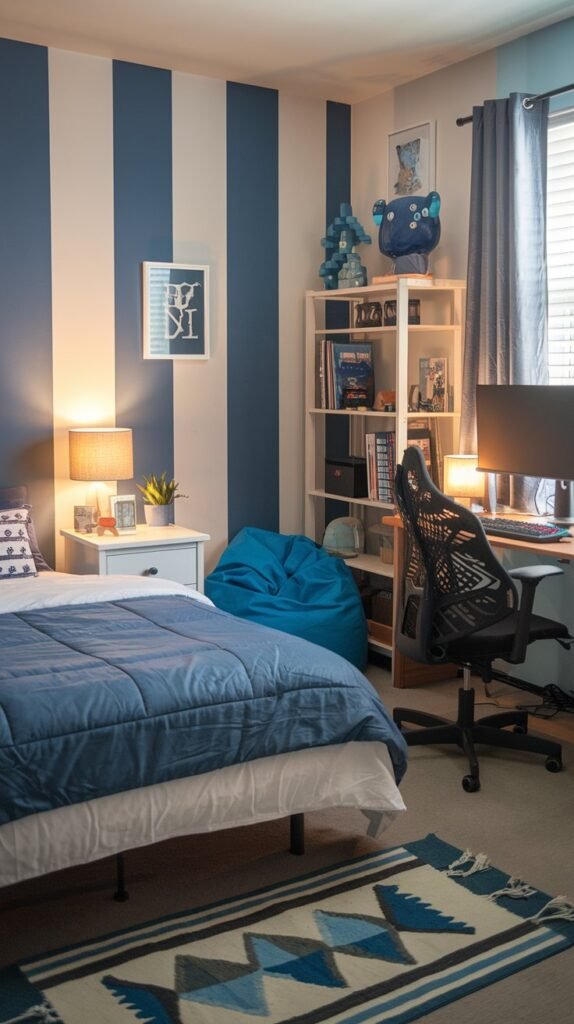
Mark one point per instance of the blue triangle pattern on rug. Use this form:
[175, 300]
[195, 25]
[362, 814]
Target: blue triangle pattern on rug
[304, 960]
[409, 913]
[149, 1003]
[280, 976]
[315, 969]
[244, 994]
[362, 936]
[268, 953]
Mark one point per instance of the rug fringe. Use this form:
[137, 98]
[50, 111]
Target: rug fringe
[41, 1014]
[515, 889]
[558, 909]
[475, 862]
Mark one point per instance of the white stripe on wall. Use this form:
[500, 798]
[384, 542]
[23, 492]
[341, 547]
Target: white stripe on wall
[200, 236]
[82, 259]
[302, 199]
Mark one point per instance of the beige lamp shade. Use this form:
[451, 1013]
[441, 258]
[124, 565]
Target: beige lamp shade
[101, 453]
[461, 479]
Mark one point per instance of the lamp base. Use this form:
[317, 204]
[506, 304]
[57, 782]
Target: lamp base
[99, 495]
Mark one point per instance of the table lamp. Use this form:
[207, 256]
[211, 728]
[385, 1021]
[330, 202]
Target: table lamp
[461, 480]
[101, 454]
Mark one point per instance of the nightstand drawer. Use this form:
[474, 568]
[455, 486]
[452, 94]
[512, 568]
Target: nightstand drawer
[172, 563]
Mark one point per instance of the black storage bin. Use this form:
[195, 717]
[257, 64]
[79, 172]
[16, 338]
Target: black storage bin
[346, 476]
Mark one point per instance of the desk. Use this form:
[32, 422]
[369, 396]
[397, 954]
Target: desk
[408, 673]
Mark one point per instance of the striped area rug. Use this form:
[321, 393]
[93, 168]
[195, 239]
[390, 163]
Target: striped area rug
[384, 938]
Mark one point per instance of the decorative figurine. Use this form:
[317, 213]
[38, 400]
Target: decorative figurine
[107, 524]
[339, 243]
[409, 228]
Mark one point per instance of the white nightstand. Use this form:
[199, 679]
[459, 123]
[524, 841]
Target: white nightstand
[172, 552]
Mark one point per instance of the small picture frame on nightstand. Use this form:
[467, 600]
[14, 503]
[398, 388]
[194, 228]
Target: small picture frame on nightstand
[84, 518]
[123, 508]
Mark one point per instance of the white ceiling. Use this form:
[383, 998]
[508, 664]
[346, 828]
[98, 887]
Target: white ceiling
[345, 50]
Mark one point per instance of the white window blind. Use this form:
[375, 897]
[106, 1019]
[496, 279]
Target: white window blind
[560, 247]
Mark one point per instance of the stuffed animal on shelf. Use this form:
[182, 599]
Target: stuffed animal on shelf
[409, 228]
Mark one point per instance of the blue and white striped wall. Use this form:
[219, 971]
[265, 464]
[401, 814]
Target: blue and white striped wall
[104, 165]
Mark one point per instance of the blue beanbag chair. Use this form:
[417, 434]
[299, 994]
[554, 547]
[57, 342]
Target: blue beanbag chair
[290, 583]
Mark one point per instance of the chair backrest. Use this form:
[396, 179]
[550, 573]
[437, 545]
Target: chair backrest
[453, 583]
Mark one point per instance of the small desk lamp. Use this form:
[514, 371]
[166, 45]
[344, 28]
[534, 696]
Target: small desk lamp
[101, 454]
[461, 480]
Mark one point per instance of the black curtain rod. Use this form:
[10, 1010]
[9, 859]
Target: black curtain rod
[528, 101]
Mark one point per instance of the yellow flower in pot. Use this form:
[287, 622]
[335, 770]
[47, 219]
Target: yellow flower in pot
[159, 495]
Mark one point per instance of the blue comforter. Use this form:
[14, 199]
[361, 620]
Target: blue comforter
[100, 698]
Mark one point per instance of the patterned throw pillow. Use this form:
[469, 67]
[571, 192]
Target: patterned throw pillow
[16, 559]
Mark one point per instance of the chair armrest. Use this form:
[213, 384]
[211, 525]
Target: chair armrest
[530, 576]
[535, 572]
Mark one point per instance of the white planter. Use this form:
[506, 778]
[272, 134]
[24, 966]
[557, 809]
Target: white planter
[158, 515]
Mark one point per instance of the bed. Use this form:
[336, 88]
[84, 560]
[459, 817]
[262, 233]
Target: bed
[132, 711]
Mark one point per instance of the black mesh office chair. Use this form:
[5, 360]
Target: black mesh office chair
[457, 604]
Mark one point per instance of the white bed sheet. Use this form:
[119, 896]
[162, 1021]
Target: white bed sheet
[355, 775]
[52, 589]
[358, 775]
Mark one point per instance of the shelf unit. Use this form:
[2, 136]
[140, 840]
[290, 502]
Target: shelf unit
[396, 354]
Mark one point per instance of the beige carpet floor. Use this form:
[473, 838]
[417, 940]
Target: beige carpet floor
[523, 818]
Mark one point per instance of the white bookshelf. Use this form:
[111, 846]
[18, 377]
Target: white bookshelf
[396, 354]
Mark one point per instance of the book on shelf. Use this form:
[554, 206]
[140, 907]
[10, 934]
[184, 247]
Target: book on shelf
[345, 378]
[321, 376]
[381, 456]
[381, 465]
[433, 382]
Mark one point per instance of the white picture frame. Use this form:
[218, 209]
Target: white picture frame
[123, 509]
[175, 310]
[412, 161]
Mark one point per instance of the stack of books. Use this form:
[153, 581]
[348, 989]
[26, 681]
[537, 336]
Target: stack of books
[381, 465]
[381, 457]
[345, 375]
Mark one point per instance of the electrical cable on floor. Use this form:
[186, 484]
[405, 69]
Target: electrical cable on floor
[553, 701]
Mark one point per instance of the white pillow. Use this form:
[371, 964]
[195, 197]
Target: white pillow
[16, 558]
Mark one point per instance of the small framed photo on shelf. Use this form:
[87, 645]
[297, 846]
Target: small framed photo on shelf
[433, 383]
[84, 518]
[123, 508]
[390, 312]
[175, 311]
[412, 160]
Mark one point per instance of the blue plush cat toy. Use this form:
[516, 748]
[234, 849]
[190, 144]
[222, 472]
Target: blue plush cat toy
[409, 228]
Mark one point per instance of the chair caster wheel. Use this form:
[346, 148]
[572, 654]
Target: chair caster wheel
[553, 764]
[471, 784]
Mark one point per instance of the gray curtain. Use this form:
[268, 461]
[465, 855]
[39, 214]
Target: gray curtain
[505, 334]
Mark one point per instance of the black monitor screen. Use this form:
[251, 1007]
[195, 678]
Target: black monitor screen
[526, 429]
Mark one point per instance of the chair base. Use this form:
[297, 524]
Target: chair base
[465, 732]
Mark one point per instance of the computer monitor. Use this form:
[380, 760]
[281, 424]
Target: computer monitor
[529, 429]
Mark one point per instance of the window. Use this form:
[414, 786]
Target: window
[560, 247]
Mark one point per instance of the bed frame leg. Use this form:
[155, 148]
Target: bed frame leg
[121, 894]
[297, 845]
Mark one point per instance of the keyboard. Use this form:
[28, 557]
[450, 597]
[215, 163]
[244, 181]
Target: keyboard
[522, 529]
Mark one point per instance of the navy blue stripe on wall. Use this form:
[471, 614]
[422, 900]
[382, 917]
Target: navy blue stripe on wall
[26, 438]
[253, 307]
[143, 230]
[338, 190]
